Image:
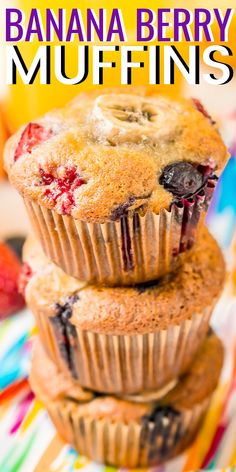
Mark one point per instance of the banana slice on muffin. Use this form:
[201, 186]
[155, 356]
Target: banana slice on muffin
[121, 118]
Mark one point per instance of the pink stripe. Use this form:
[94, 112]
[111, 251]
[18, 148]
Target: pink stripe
[24, 406]
[214, 445]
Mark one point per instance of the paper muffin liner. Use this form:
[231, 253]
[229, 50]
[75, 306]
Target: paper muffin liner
[125, 363]
[132, 250]
[127, 444]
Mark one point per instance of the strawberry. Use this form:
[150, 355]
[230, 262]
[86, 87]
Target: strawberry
[32, 136]
[10, 298]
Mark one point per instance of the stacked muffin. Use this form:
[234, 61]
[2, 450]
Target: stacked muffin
[116, 186]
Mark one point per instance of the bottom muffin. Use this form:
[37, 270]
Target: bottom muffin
[135, 430]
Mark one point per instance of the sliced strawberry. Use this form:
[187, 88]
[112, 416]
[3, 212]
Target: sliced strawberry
[10, 299]
[32, 136]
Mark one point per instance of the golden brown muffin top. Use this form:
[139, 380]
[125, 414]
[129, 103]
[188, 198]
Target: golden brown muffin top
[107, 152]
[191, 389]
[144, 308]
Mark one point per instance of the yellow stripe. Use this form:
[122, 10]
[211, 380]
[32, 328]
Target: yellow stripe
[37, 406]
[52, 452]
[33, 331]
[233, 459]
[200, 447]
[82, 462]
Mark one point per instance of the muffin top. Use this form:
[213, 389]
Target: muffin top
[190, 389]
[140, 309]
[115, 151]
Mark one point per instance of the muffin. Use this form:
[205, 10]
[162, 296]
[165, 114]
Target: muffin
[138, 431]
[125, 339]
[116, 183]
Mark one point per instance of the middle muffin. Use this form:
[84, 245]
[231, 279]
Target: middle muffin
[125, 339]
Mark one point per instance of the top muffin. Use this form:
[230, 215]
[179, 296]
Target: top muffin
[114, 151]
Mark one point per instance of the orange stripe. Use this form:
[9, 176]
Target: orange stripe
[234, 365]
[51, 453]
[199, 449]
[233, 459]
[15, 388]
